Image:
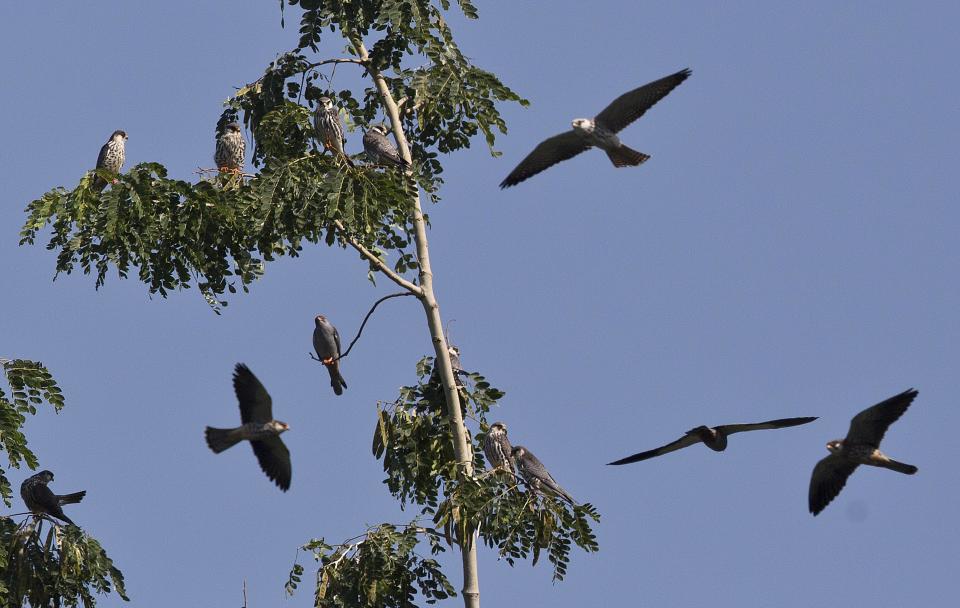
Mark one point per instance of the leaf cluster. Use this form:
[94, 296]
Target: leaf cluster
[64, 567]
[379, 569]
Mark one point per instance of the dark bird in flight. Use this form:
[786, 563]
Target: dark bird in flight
[111, 158]
[600, 131]
[231, 149]
[259, 428]
[329, 131]
[326, 341]
[379, 149]
[42, 501]
[497, 448]
[714, 438]
[536, 475]
[860, 446]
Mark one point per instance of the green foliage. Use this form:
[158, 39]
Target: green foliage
[378, 569]
[30, 385]
[63, 567]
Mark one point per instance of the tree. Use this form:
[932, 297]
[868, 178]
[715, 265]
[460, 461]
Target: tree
[65, 566]
[218, 235]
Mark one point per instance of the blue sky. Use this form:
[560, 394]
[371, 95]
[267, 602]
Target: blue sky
[790, 250]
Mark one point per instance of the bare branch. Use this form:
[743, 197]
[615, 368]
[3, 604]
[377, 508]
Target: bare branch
[377, 262]
[362, 325]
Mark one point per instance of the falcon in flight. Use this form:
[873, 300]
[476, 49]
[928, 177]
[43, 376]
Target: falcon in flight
[42, 501]
[111, 158]
[714, 438]
[259, 428]
[600, 131]
[536, 475]
[860, 446]
[497, 449]
[326, 125]
[326, 341]
[231, 149]
[380, 150]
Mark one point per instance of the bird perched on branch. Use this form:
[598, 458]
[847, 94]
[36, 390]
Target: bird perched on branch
[536, 475]
[600, 131]
[714, 438]
[329, 131]
[231, 149]
[860, 446]
[326, 341]
[259, 428]
[497, 448]
[41, 500]
[111, 158]
[379, 148]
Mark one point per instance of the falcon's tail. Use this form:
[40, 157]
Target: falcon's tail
[625, 156]
[900, 467]
[67, 499]
[336, 380]
[60, 515]
[221, 439]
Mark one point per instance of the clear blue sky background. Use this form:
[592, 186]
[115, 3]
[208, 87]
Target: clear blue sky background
[790, 250]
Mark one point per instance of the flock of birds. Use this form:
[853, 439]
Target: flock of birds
[861, 446]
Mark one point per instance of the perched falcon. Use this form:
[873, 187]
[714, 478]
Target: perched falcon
[601, 131]
[536, 475]
[111, 158]
[326, 125]
[860, 446]
[380, 150]
[497, 449]
[41, 500]
[454, 353]
[326, 341]
[714, 438]
[259, 428]
[231, 149]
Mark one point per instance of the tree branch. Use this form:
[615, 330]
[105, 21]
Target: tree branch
[362, 325]
[376, 261]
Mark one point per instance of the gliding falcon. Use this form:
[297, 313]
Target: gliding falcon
[600, 132]
[860, 446]
[259, 428]
[714, 438]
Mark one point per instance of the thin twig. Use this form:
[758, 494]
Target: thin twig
[244, 593]
[362, 325]
[377, 262]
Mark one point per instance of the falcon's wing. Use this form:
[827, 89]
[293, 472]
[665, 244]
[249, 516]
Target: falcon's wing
[632, 105]
[870, 425]
[780, 423]
[274, 458]
[255, 404]
[685, 441]
[336, 338]
[550, 152]
[829, 477]
[102, 157]
[44, 497]
[532, 467]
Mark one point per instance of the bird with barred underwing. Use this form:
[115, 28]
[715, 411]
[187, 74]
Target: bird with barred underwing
[326, 341]
[328, 129]
[111, 158]
[258, 427]
[41, 500]
[380, 150]
[860, 446]
[536, 475]
[231, 149]
[497, 448]
[600, 131]
[714, 438]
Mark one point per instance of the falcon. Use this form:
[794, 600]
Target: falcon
[231, 149]
[42, 501]
[379, 149]
[326, 125]
[536, 475]
[714, 438]
[111, 158]
[497, 449]
[860, 446]
[326, 341]
[259, 428]
[600, 131]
